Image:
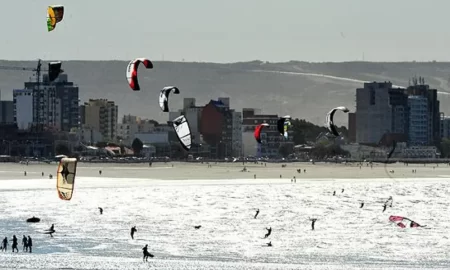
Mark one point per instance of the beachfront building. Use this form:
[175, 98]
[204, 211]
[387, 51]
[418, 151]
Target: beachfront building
[53, 104]
[445, 126]
[6, 112]
[132, 125]
[418, 121]
[193, 113]
[373, 112]
[432, 109]
[382, 109]
[23, 108]
[216, 127]
[100, 115]
[236, 137]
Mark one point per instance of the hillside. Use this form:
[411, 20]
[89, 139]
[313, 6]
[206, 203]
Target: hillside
[249, 84]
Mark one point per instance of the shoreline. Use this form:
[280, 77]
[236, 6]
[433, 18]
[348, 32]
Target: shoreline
[223, 171]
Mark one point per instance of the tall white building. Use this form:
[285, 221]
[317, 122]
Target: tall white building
[23, 108]
[100, 115]
[419, 131]
[55, 104]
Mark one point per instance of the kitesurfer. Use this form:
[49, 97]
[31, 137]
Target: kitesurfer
[313, 222]
[25, 243]
[269, 231]
[257, 213]
[14, 244]
[30, 243]
[146, 253]
[101, 210]
[269, 244]
[133, 230]
[362, 205]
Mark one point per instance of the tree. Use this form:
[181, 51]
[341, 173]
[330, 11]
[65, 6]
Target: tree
[137, 146]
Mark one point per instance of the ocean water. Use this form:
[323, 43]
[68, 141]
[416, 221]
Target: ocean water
[166, 211]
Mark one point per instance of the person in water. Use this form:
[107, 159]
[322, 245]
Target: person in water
[269, 244]
[30, 243]
[133, 230]
[384, 207]
[14, 244]
[362, 205]
[313, 221]
[146, 253]
[334, 193]
[25, 243]
[257, 213]
[5, 244]
[101, 210]
[269, 231]
[342, 191]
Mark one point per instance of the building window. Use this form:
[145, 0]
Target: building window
[372, 97]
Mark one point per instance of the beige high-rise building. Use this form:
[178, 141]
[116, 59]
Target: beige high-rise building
[100, 115]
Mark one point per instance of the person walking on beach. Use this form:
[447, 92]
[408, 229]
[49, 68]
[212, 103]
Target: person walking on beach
[257, 212]
[25, 243]
[269, 231]
[133, 230]
[14, 244]
[30, 243]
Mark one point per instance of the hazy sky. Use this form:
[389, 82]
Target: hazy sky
[228, 31]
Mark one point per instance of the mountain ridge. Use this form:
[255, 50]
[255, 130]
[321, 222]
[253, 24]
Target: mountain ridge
[248, 84]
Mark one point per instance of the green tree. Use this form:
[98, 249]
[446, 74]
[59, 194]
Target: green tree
[137, 146]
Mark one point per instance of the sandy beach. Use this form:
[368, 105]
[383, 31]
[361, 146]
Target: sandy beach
[185, 171]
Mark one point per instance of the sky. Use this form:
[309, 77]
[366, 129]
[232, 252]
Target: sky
[228, 31]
